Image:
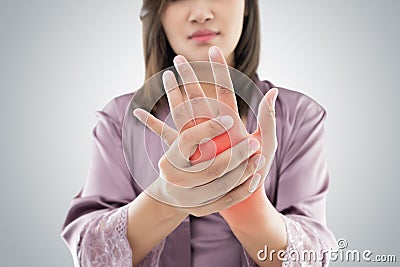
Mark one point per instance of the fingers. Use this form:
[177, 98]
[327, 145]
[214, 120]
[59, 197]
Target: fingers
[192, 137]
[267, 122]
[255, 164]
[207, 171]
[224, 87]
[266, 109]
[232, 198]
[232, 179]
[166, 133]
[181, 113]
[199, 105]
[171, 194]
[209, 192]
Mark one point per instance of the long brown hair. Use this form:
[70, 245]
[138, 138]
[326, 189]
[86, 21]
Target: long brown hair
[159, 55]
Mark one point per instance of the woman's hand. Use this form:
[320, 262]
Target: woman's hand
[185, 121]
[185, 185]
[204, 182]
[265, 133]
[226, 101]
[182, 183]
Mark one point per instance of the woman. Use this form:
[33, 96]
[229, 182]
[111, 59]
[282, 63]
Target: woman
[113, 222]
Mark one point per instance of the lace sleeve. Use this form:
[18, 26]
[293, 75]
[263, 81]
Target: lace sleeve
[104, 242]
[305, 248]
[301, 240]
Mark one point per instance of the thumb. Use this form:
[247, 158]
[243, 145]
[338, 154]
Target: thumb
[266, 113]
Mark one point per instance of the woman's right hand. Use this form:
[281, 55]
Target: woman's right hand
[190, 186]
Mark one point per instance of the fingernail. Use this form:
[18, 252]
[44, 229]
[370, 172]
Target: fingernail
[260, 161]
[254, 145]
[226, 120]
[179, 60]
[254, 182]
[141, 115]
[166, 76]
[138, 113]
[214, 52]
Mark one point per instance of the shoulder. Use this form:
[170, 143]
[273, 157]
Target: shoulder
[115, 109]
[293, 107]
[294, 104]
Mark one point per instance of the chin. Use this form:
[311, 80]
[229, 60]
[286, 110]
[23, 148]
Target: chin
[196, 54]
[193, 59]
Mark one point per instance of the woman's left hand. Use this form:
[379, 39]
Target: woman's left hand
[265, 133]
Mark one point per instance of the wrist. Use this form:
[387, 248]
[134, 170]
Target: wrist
[253, 212]
[245, 210]
[160, 210]
[262, 225]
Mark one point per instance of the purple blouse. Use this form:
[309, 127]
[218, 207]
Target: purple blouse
[95, 229]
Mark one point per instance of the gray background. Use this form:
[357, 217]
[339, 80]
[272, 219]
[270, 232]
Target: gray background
[60, 61]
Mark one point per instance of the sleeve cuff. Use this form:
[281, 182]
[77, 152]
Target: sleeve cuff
[299, 238]
[104, 241]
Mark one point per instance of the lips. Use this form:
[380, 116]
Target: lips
[203, 36]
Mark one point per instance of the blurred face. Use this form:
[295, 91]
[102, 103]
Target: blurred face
[193, 26]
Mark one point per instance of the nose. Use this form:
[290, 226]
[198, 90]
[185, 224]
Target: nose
[200, 11]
